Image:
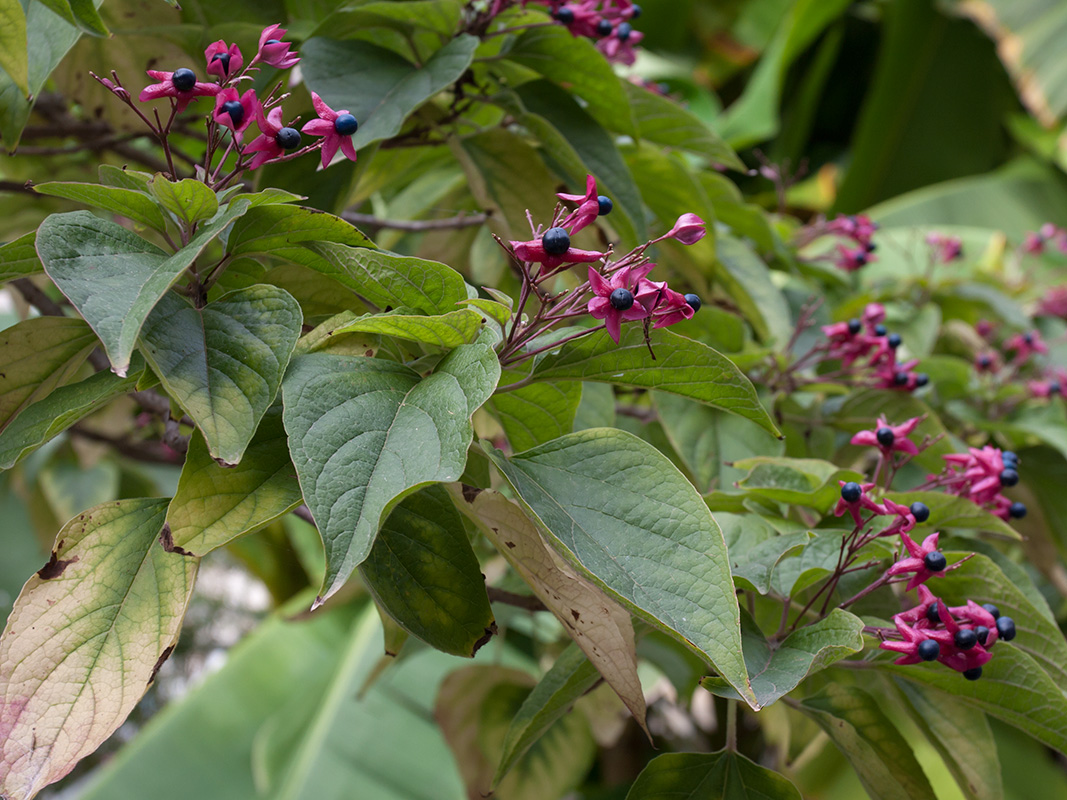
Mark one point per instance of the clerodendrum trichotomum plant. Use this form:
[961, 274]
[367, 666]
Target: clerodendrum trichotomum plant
[674, 471]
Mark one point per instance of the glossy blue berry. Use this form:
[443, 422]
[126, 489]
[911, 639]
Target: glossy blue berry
[621, 299]
[693, 301]
[345, 124]
[1028, 338]
[183, 79]
[928, 650]
[1006, 628]
[885, 437]
[1017, 510]
[635, 11]
[603, 28]
[900, 378]
[879, 330]
[854, 326]
[288, 138]
[1009, 477]
[1009, 458]
[604, 205]
[1054, 387]
[225, 59]
[565, 15]
[556, 241]
[920, 511]
[982, 632]
[893, 340]
[973, 674]
[235, 110]
[272, 41]
[861, 259]
[921, 380]
[965, 638]
[623, 31]
[992, 609]
[851, 492]
[933, 612]
[935, 561]
[871, 247]
[985, 361]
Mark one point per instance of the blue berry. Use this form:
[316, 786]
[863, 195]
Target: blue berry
[565, 15]
[604, 205]
[871, 247]
[921, 379]
[935, 562]
[621, 299]
[1006, 628]
[635, 11]
[1009, 458]
[929, 650]
[1028, 338]
[851, 492]
[973, 674]
[860, 258]
[345, 124]
[603, 28]
[183, 79]
[854, 326]
[1054, 388]
[985, 361]
[982, 632]
[225, 59]
[623, 31]
[965, 638]
[288, 138]
[556, 241]
[1017, 510]
[885, 437]
[893, 340]
[272, 41]
[933, 612]
[693, 301]
[920, 511]
[235, 110]
[992, 609]
[900, 378]
[1009, 477]
[879, 330]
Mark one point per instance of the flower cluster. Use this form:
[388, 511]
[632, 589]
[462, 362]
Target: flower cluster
[1036, 241]
[858, 230]
[979, 475]
[606, 22]
[236, 111]
[1003, 360]
[868, 350]
[946, 248]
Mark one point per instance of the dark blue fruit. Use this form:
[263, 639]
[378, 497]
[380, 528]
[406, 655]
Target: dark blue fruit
[556, 241]
[965, 638]
[635, 11]
[854, 326]
[900, 378]
[992, 609]
[225, 59]
[272, 41]
[1006, 628]
[893, 340]
[879, 330]
[693, 301]
[623, 31]
[851, 492]
[935, 561]
[1009, 477]
[345, 124]
[288, 138]
[933, 612]
[183, 79]
[982, 632]
[603, 28]
[604, 205]
[235, 110]
[929, 650]
[921, 379]
[885, 437]
[920, 511]
[565, 15]
[973, 674]
[1017, 510]
[621, 299]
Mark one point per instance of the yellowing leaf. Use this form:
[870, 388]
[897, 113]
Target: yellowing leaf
[84, 641]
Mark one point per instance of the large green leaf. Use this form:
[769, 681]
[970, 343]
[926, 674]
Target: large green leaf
[537, 413]
[282, 231]
[14, 59]
[709, 776]
[776, 671]
[85, 639]
[114, 277]
[393, 281]
[440, 16]
[423, 572]
[62, 408]
[187, 201]
[748, 281]
[461, 326]
[36, 356]
[380, 88]
[663, 121]
[682, 366]
[802, 481]
[753, 564]
[870, 741]
[135, 205]
[19, 258]
[224, 363]
[213, 505]
[961, 735]
[622, 513]
[364, 433]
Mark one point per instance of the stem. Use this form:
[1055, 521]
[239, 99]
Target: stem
[878, 584]
[731, 726]
[552, 346]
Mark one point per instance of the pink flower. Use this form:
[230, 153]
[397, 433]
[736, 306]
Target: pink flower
[181, 84]
[534, 251]
[909, 647]
[853, 506]
[273, 51]
[923, 557]
[919, 612]
[873, 314]
[852, 259]
[1025, 345]
[946, 248]
[664, 304]
[689, 229]
[236, 112]
[890, 438]
[618, 47]
[223, 60]
[614, 300]
[588, 207]
[274, 140]
[336, 128]
[1054, 302]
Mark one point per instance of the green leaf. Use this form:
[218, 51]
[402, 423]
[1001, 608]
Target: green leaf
[85, 639]
[188, 201]
[365, 433]
[88, 18]
[36, 356]
[801, 481]
[378, 86]
[18, 258]
[61, 8]
[444, 330]
[881, 757]
[14, 59]
[123, 201]
[66, 405]
[537, 413]
[224, 363]
[753, 565]
[571, 676]
[126, 178]
[390, 280]
[439, 16]
[748, 281]
[775, 672]
[599, 626]
[114, 277]
[662, 121]
[948, 511]
[704, 776]
[285, 232]
[682, 366]
[423, 572]
[620, 511]
[961, 735]
[213, 505]
[575, 63]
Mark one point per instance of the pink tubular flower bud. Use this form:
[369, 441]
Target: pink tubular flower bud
[689, 229]
[273, 51]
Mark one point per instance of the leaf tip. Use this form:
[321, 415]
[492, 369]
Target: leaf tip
[490, 632]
